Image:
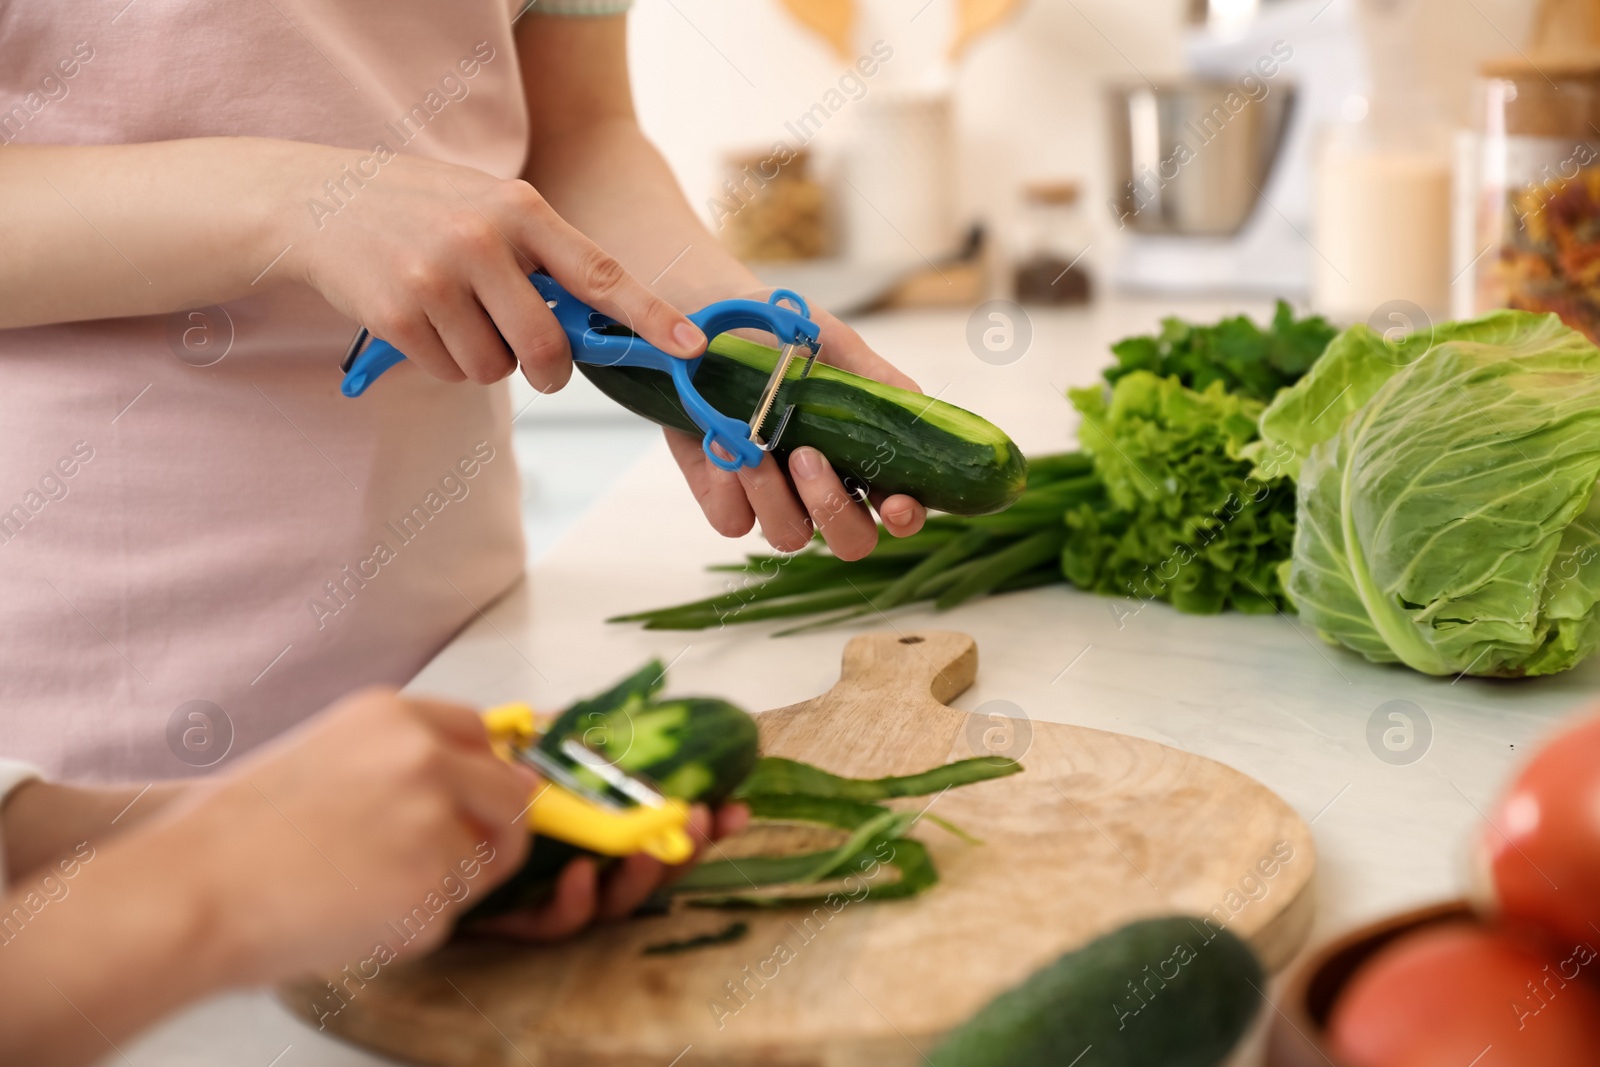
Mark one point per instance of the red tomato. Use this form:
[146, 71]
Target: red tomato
[1543, 843]
[1458, 994]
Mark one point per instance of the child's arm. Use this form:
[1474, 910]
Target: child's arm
[296, 861]
[593, 163]
[104, 941]
[303, 858]
[44, 820]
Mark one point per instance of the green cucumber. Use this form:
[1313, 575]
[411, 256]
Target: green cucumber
[693, 748]
[1171, 991]
[875, 435]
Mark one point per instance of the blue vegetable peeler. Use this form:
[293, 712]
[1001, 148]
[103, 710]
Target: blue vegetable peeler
[600, 340]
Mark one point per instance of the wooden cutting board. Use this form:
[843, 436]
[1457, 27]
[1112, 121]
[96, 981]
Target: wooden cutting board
[1099, 830]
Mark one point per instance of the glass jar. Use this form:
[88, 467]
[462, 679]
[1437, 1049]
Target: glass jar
[770, 209]
[1536, 198]
[1053, 238]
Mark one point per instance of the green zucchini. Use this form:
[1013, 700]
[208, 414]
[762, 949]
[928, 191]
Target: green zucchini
[1173, 991]
[875, 435]
[693, 748]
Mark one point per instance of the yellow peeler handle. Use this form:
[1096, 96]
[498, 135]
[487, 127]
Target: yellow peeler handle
[510, 724]
[559, 813]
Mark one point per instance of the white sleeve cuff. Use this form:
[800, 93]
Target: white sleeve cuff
[12, 774]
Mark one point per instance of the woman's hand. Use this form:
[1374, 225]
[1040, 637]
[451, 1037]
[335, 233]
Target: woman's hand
[808, 497]
[595, 164]
[430, 256]
[434, 258]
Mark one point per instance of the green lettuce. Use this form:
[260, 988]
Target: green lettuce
[1187, 521]
[1446, 514]
[1245, 358]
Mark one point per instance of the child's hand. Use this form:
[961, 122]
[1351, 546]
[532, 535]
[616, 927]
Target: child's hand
[379, 824]
[356, 840]
[807, 497]
[582, 896]
[343, 846]
[434, 258]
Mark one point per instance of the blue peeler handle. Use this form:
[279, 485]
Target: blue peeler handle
[586, 331]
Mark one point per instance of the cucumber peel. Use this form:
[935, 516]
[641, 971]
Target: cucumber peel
[788, 791]
[774, 775]
[726, 936]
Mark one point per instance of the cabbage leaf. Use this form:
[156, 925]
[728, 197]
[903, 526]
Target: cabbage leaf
[1360, 360]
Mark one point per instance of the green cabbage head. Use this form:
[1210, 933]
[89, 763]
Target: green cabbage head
[1446, 514]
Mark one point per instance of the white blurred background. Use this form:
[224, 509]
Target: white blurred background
[1028, 100]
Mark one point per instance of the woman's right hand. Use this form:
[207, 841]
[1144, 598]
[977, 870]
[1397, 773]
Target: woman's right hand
[430, 256]
[434, 257]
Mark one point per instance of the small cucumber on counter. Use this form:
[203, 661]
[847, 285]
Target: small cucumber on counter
[693, 748]
[1171, 992]
[875, 435]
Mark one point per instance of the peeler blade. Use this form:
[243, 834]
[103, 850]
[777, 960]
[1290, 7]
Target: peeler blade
[634, 789]
[769, 395]
[553, 770]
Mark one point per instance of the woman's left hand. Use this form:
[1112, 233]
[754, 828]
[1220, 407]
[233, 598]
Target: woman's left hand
[808, 497]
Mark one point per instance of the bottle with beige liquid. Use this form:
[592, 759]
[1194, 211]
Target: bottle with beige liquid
[1381, 235]
[1382, 228]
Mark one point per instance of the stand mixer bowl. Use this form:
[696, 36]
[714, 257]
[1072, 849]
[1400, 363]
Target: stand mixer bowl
[1191, 156]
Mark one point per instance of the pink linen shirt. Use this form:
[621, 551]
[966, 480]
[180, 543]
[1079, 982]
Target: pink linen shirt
[201, 541]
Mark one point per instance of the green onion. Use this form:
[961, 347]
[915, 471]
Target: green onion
[951, 560]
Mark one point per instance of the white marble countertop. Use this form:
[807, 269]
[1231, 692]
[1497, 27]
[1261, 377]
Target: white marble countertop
[1261, 694]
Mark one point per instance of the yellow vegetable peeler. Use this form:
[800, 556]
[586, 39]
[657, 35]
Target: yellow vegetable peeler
[569, 809]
